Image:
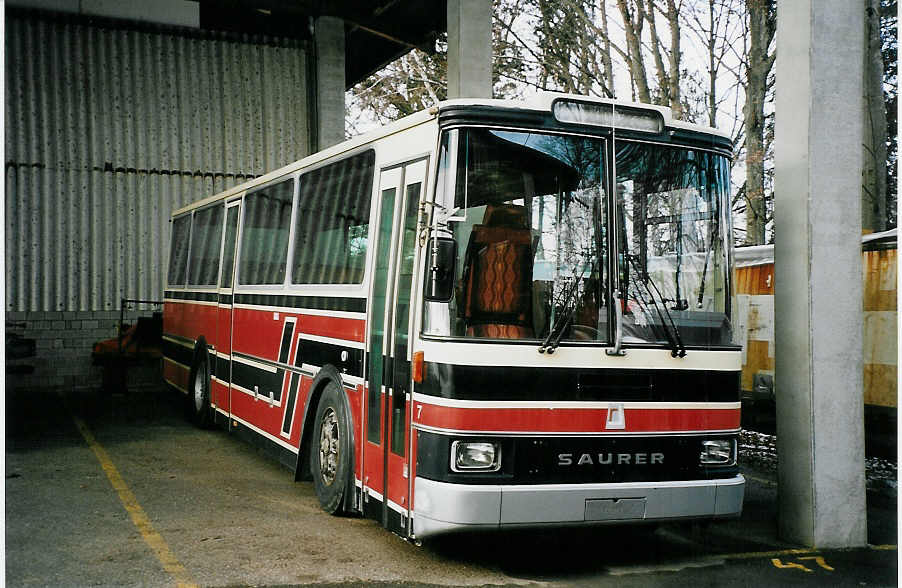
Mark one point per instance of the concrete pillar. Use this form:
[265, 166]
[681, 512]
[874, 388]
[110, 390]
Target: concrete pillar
[329, 40]
[818, 295]
[469, 49]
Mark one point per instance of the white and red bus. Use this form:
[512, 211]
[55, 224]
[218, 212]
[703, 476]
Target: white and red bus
[489, 314]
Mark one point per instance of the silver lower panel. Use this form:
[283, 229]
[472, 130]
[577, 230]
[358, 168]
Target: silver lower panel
[441, 507]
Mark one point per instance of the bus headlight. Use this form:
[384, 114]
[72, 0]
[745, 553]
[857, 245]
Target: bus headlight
[475, 456]
[718, 452]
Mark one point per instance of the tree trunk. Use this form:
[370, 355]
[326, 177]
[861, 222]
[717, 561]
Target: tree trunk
[676, 99]
[761, 30]
[606, 49]
[632, 24]
[873, 169]
[712, 70]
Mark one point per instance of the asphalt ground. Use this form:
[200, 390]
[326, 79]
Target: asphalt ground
[121, 491]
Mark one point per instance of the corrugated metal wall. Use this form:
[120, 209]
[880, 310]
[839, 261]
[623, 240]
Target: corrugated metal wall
[108, 129]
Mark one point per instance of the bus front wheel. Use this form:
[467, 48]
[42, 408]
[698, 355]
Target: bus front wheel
[330, 450]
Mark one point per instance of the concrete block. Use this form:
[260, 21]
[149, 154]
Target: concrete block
[469, 49]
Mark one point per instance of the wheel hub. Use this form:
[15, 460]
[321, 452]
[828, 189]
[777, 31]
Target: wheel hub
[328, 446]
[199, 390]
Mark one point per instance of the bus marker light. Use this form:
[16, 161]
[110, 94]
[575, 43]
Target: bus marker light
[417, 367]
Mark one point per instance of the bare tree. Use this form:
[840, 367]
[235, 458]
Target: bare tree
[874, 154]
[633, 22]
[636, 14]
[762, 26]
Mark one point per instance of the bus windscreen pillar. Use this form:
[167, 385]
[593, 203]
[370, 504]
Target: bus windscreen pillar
[818, 288]
[469, 49]
[329, 33]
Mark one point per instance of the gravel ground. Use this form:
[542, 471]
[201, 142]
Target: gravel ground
[759, 450]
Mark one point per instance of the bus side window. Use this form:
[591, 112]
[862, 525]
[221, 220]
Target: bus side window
[203, 266]
[332, 226]
[228, 250]
[264, 236]
[178, 250]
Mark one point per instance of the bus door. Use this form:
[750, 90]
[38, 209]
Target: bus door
[386, 453]
[221, 390]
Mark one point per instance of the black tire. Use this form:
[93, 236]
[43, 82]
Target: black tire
[330, 450]
[197, 402]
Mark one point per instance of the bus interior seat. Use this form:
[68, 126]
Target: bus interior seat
[497, 277]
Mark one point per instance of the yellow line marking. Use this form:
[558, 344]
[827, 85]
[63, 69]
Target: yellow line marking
[777, 553]
[153, 539]
[789, 566]
[819, 560]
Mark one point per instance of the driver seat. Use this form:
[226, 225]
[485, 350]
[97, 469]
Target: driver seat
[497, 284]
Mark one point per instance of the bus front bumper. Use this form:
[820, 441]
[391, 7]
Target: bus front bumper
[441, 507]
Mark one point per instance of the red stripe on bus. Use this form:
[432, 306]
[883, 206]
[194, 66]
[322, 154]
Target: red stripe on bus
[259, 332]
[333, 327]
[190, 320]
[574, 420]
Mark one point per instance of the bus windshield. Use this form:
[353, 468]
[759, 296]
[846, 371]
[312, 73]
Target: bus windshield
[672, 223]
[528, 212]
[530, 216]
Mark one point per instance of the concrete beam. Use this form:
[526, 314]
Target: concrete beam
[329, 40]
[469, 49]
[818, 291]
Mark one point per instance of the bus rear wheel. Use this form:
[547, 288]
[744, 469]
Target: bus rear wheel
[197, 404]
[330, 450]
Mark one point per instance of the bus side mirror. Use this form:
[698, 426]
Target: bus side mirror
[442, 255]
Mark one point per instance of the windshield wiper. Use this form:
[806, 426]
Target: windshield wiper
[677, 349]
[553, 340]
[715, 229]
[568, 308]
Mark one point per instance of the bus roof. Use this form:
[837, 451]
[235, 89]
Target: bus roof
[541, 102]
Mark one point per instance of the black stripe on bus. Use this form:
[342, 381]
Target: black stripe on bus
[222, 367]
[292, 391]
[285, 347]
[193, 296]
[247, 376]
[225, 299]
[576, 460]
[315, 353]
[178, 353]
[615, 385]
[289, 408]
[342, 304]
[321, 353]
